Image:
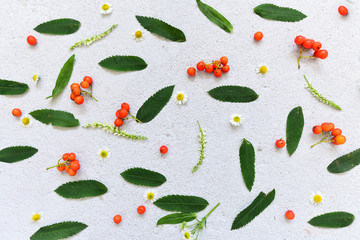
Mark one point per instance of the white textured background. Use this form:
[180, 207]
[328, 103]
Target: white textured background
[26, 186]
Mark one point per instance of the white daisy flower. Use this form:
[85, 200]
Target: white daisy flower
[37, 216]
[316, 198]
[150, 195]
[104, 154]
[138, 35]
[36, 78]
[106, 8]
[181, 97]
[236, 120]
[27, 121]
[187, 235]
[262, 69]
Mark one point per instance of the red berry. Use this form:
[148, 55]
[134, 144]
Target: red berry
[75, 165]
[327, 127]
[200, 66]
[117, 219]
[280, 143]
[336, 131]
[343, 10]
[224, 60]
[65, 156]
[191, 71]
[67, 168]
[76, 91]
[79, 100]
[88, 79]
[258, 36]
[16, 112]
[308, 43]
[31, 40]
[84, 84]
[322, 54]
[163, 149]
[74, 85]
[316, 46]
[209, 68]
[317, 129]
[225, 68]
[290, 215]
[61, 167]
[216, 64]
[72, 156]
[72, 96]
[118, 122]
[299, 40]
[122, 113]
[72, 172]
[125, 106]
[141, 209]
[218, 72]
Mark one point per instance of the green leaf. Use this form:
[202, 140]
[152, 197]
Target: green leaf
[259, 204]
[333, 220]
[345, 162]
[154, 104]
[215, 17]
[61, 26]
[181, 203]
[12, 88]
[233, 94]
[16, 153]
[143, 177]
[55, 117]
[81, 189]
[58, 231]
[123, 63]
[284, 14]
[294, 129]
[63, 77]
[161, 28]
[176, 218]
[247, 163]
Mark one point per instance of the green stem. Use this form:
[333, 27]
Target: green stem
[212, 210]
[89, 95]
[132, 116]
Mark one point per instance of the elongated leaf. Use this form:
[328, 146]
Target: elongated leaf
[261, 202]
[233, 94]
[55, 117]
[333, 220]
[294, 129]
[154, 104]
[181, 203]
[247, 163]
[123, 63]
[63, 77]
[215, 17]
[58, 231]
[143, 177]
[161, 28]
[16, 153]
[176, 218]
[81, 189]
[8, 87]
[284, 14]
[62, 26]
[345, 162]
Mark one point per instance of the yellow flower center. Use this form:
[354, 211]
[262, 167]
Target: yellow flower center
[103, 154]
[105, 7]
[138, 34]
[180, 97]
[237, 119]
[36, 217]
[263, 69]
[317, 198]
[25, 121]
[187, 235]
[35, 78]
[150, 196]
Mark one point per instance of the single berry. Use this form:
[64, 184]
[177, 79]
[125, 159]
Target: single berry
[216, 64]
[209, 68]
[200, 66]
[224, 60]
[76, 91]
[117, 219]
[280, 143]
[31, 40]
[118, 122]
[225, 68]
[141, 209]
[299, 40]
[340, 139]
[164, 149]
[61, 167]
[218, 72]
[88, 79]
[75, 165]
[322, 54]
[308, 43]
[84, 84]
[327, 127]
[258, 36]
[79, 100]
[317, 129]
[122, 113]
[333, 141]
[290, 215]
[125, 106]
[72, 96]
[343, 10]
[72, 156]
[74, 85]
[336, 131]
[191, 71]
[67, 168]
[65, 156]
[72, 172]
[316, 46]
[16, 112]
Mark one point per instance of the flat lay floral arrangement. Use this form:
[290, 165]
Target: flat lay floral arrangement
[191, 213]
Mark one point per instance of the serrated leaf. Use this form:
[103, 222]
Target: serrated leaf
[58, 231]
[143, 177]
[123, 63]
[345, 162]
[333, 220]
[181, 203]
[55, 117]
[294, 129]
[232, 93]
[161, 28]
[63, 77]
[247, 163]
[62, 26]
[16, 153]
[154, 104]
[215, 17]
[261, 202]
[81, 189]
[8, 87]
[176, 218]
[284, 14]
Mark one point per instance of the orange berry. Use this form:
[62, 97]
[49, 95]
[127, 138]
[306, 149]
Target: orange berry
[88, 79]
[72, 156]
[79, 100]
[340, 139]
[308, 43]
[125, 106]
[75, 165]
[65, 156]
[16, 112]
[209, 68]
[299, 40]
[118, 122]
[141, 209]
[72, 172]
[122, 113]
[216, 64]
[191, 71]
[61, 167]
[224, 60]
[290, 215]
[74, 85]
[76, 91]
[316, 46]
[322, 54]
[218, 72]
[84, 84]
[163, 149]
[258, 36]
[336, 131]
[343, 10]
[31, 40]
[67, 168]
[72, 96]
[117, 219]
[225, 68]
[317, 129]
[327, 127]
[200, 66]
[280, 143]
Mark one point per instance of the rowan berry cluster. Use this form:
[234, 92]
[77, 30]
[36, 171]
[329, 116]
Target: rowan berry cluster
[329, 133]
[218, 67]
[69, 163]
[76, 92]
[122, 114]
[306, 44]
